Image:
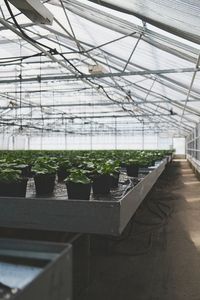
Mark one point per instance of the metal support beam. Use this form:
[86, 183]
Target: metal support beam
[152, 111]
[92, 116]
[190, 88]
[101, 75]
[125, 27]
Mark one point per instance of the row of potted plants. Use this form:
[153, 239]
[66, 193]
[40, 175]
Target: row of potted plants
[28, 157]
[80, 170]
[101, 177]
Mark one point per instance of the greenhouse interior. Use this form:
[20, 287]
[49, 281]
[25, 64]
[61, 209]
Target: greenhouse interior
[99, 150]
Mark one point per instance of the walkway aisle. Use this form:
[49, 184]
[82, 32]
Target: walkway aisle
[158, 257]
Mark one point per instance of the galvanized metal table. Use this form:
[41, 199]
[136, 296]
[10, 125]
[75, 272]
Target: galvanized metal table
[36, 270]
[83, 216]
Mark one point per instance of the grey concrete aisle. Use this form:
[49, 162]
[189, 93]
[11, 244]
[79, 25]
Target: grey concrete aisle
[158, 256]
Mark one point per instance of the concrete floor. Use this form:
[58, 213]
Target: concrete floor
[158, 256]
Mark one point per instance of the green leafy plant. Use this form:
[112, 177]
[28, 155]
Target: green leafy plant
[87, 165]
[132, 162]
[64, 163]
[44, 166]
[10, 175]
[109, 167]
[95, 163]
[78, 176]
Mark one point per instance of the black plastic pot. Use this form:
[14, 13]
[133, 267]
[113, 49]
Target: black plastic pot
[115, 180]
[13, 189]
[25, 170]
[132, 171]
[78, 190]
[123, 165]
[152, 163]
[62, 174]
[44, 183]
[101, 184]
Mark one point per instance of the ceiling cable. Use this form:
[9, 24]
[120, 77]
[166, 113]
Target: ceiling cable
[21, 30]
[77, 42]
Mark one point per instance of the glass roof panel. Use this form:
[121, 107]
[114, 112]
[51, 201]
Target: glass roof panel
[93, 65]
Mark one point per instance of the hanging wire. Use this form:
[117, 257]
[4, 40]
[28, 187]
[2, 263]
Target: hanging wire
[20, 29]
[54, 51]
[51, 50]
[77, 42]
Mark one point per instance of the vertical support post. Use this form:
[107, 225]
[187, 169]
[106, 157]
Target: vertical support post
[28, 142]
[41, 141]
[115, 133]
[91, 134]
[143, 135]
[65, 134]
[13, 142]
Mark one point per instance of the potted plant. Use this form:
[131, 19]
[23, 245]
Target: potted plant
[115, 173]
[44, 176]
[63, 171]
[102, 177]
[145, 162]
[24, 168]
[17, 164]
[114, 180]
[78, 184]
[12, 184]
[132, 167]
